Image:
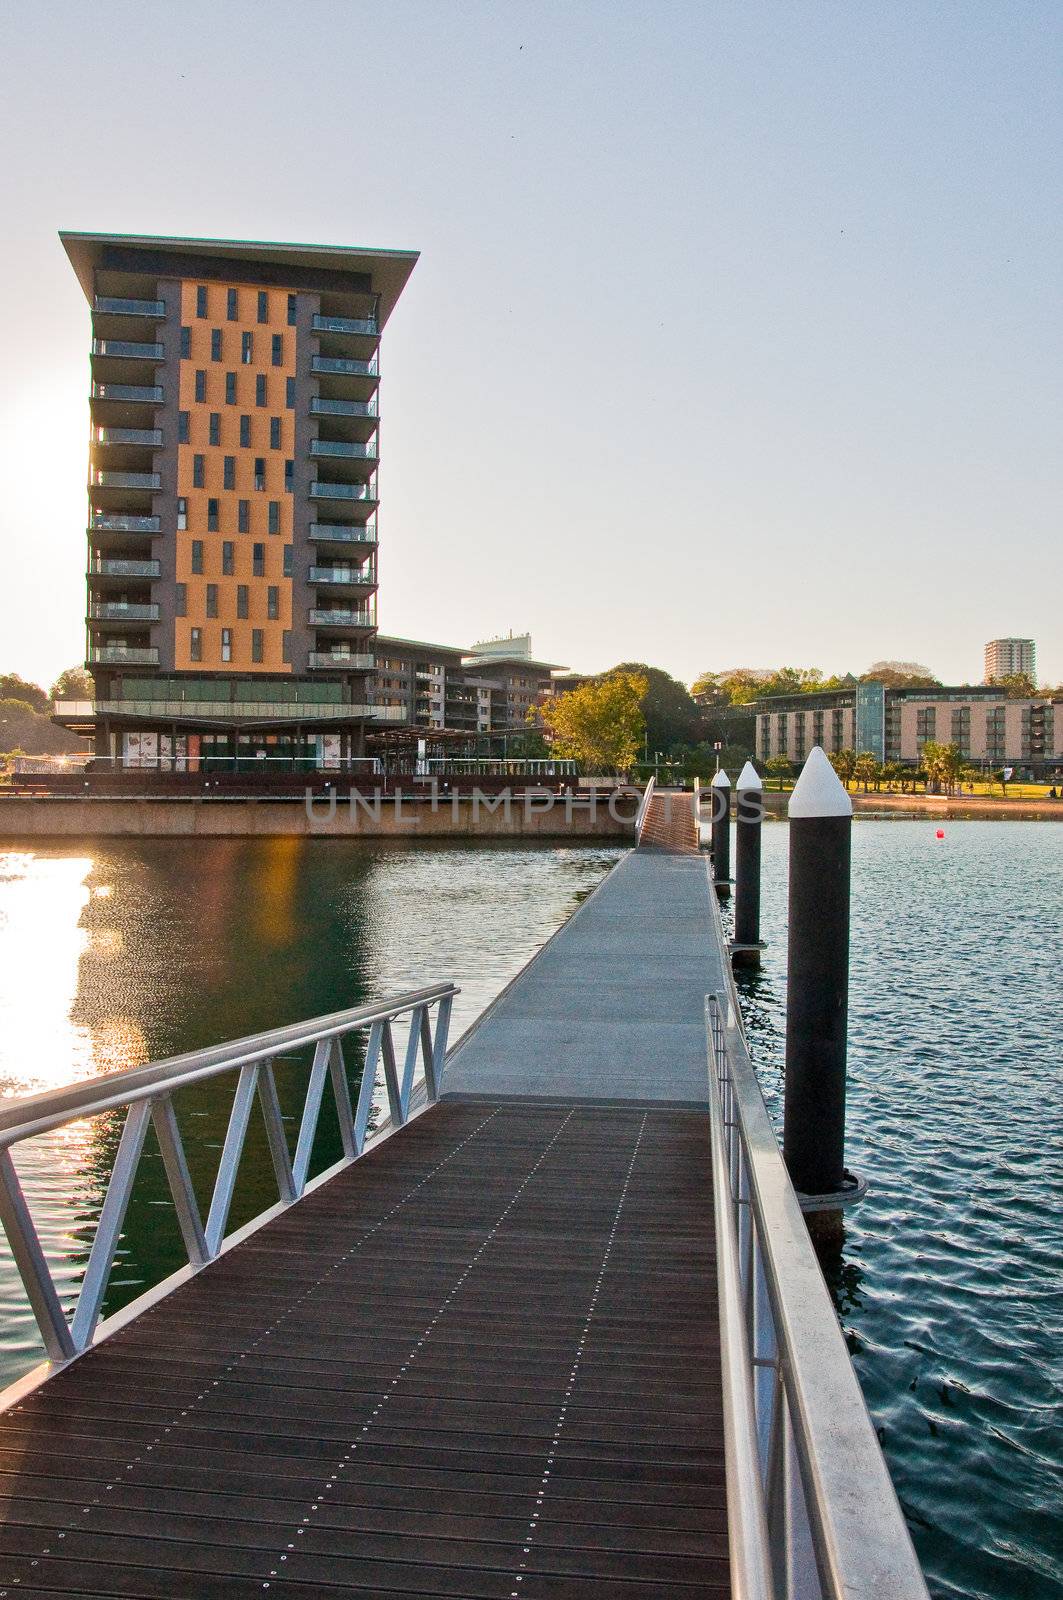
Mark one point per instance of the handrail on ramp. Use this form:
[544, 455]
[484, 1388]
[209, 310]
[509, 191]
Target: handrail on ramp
[812, 1513]
[644, 806]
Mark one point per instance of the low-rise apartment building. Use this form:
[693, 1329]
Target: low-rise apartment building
[486, 690]
[894, 725]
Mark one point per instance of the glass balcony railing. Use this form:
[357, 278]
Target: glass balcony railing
[129, 349]
[359, 618]
[320, 407]
[123, 655]
[345, 325]
[123, 611]
[343, 449]
[345, 368]
[108, 567]
[241, 710]
[341, 660]
[123, 522]
[343, 491]
[345, 575]
[342, 533]
[147, 436]
[117, 306]
[149, 394]
[102, 479]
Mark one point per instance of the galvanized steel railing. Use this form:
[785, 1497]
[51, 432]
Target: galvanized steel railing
[812, 1514]
[148, 1092]
[644, 806]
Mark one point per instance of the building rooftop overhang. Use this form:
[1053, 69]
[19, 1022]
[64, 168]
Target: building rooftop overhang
[388, 269]
[397, 642]
[487, 663]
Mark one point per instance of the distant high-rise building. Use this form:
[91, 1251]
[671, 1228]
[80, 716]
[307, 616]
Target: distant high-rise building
[1006, 656]
[232, 529]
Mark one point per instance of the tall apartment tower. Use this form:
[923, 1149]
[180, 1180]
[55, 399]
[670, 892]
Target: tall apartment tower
[1005, 656]
[232, 508]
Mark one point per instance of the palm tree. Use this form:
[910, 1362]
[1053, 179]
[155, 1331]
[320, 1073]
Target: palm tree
[866, 769]
[844, 764]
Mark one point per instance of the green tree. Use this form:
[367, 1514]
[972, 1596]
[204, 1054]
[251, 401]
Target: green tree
[844, 764]
[12, 687]
[867, 769]
[780, 767]
[74, 683]
[601, 724]
[672, 716]
[27, 731]
[1016, 685]
[900, 675]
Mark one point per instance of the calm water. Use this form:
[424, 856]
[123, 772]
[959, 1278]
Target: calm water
[949, 1284]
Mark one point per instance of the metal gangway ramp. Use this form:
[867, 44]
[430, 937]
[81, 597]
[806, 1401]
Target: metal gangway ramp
[532, 1339]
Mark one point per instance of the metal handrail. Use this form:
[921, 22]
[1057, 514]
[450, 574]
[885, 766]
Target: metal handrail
[812, 1513]
[147, 1093]
[644, 806]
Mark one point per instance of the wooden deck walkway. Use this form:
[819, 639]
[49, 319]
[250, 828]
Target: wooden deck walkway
[483, 1361]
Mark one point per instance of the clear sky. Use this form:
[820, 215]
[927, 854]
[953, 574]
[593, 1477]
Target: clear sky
[735, 337]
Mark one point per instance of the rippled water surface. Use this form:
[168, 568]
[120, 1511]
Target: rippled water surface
[949, 1283]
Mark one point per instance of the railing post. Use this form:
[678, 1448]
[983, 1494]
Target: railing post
[721, 834]
[749, 816]
[817, 1005]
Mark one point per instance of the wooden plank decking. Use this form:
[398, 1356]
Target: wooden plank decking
[483, 1361]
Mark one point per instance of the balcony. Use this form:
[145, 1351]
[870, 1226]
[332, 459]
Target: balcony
[128, 349]
[320, 618]
[342, 533]
[146, 394]
[343, 408]
[116, 306]
[122, 522]
[123, 655]
[346, 377]
[343, 577]
[340, 661]
[123, 611]
[103, 479]
[151, 438]
[210, 711]
[343, 449]
[362, 325]
[108, 567]
[365, 492]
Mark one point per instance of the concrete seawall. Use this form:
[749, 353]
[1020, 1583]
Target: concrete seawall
[520, 816]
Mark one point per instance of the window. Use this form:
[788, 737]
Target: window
[273, 602]
[201, 300]
[182, 427]
[212, 516]
[274, 433]
[247, 344]
[230, 388]
[201, 385]
[197, 472]
[180, 600]
[289, 475]
[228, 557]
[197, 555]
[186, 343]
[241, 601]
[263, 306]
[289, 553]
[274, 523]
[215, 344]
[289, 392]
[228, 473]
[245, 432]
[260, 389]
[182, 513]
[260, 472]
[231, 305]
[292, 311]
[277, 350]
[212, 599]
[226, 644]
[258, 560]
[256, 644]
[286, 647]
[196, 644]
[214, 436]
[243, 516]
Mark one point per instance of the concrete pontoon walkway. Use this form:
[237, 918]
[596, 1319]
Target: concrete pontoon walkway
[613, 1006]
